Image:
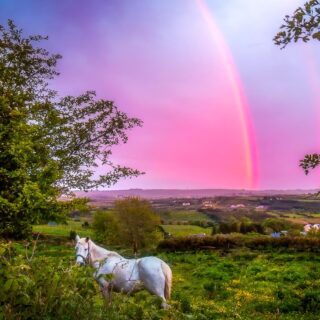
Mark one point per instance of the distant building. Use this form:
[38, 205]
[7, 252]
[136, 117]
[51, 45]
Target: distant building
[311, 227]
[279, 234]
[185, 204]
[237, 206]
[197, 235]
[260, 208]
[208, 204]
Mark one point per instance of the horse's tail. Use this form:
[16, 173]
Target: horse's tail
[168, 280]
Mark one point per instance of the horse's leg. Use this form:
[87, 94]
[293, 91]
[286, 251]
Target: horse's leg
[105, 288]
[154, 282]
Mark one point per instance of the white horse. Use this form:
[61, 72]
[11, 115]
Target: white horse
[128, 275]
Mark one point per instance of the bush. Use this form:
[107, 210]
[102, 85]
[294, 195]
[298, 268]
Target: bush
[85, 224]
[194, 243]
[278, 225]
[40, 289]
[294, 243]
[72, 235]
[232, 241]
[105, 227]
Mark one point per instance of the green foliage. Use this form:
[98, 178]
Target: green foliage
[229, 226]
[226, 242]
[188, 216]
[106, 227]
[287, 242]
[38, 289]
[310, 161]
[185, 230]
[198, 243]
[72, 235]
[206, 285]
[132, 223]
[53, 287]
[63, 230]
[48, 144]
[303, 25]
[278, 225]
[137, 223]
[234, 225]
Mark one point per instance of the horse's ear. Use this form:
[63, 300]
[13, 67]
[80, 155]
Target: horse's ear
[77, 238]
[87, 239]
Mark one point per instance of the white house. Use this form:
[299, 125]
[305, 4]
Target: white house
[311, 227]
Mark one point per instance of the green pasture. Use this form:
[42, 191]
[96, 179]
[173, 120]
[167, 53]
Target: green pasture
[184, 215]
[233, 284]
[219, 284]
[185, 230]
[63, 230]
[294, 215]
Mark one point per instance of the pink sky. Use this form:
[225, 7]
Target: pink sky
[160, 61]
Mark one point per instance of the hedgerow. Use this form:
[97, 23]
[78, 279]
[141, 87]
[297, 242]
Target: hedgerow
[297, 243]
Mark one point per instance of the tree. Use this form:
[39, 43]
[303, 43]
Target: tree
[137, 223]
[48, 144]
[303, 25]
[106, 228]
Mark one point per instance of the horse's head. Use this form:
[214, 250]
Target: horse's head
[82, 250]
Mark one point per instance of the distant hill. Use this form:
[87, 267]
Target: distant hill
[183, 193]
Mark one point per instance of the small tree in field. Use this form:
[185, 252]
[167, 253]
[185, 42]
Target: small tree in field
[48, 144]
[105, 226]
[137, 223]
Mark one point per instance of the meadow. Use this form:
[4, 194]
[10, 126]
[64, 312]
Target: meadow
[239, 283]
[183, 216]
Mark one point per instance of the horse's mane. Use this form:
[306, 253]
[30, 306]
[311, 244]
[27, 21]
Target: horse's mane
[103, 252]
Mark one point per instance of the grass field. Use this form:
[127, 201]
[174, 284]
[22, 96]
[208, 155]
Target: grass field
[234, 284]
[185, 230]
[63, 229]
[184, 215]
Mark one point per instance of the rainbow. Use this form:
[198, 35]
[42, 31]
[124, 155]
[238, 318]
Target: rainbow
[240, 101]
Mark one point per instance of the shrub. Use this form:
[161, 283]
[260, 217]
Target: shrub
[85, 224]
[294, 243]
[105, 227]
[40, 289]
[72, 235]
[232, 241]
[194, 243]
[278, 225]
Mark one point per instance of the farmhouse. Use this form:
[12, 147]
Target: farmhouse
[236, 206]
[311, 227]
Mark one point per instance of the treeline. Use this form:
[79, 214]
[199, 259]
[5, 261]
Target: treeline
[245, 225]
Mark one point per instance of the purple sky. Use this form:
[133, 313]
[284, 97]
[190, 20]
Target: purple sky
[159, 61]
